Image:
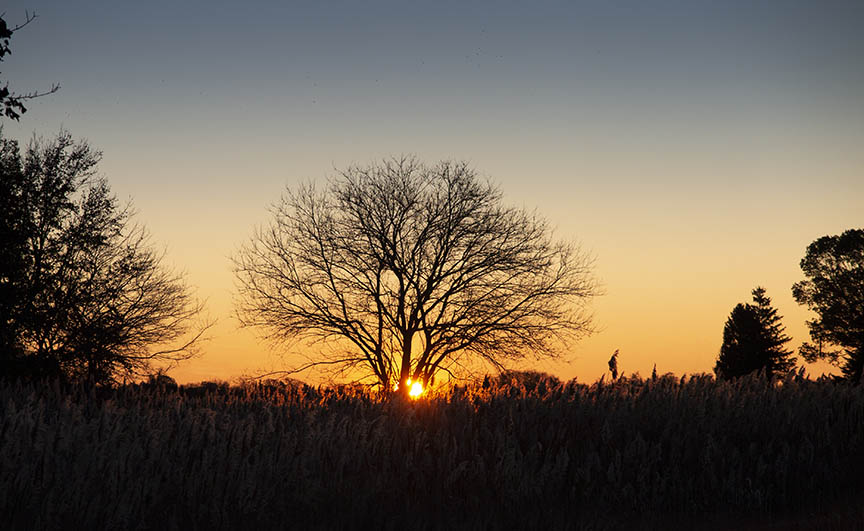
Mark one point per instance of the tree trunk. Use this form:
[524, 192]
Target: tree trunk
[405, 370]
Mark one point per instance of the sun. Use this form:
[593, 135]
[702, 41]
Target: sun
[415, 389]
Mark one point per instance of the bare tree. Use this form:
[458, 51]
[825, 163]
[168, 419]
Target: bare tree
[412, 269]
[84, 294]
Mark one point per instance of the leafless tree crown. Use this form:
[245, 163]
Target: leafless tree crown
[417, 268]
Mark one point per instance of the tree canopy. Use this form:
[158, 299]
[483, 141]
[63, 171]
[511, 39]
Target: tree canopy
[412, 269]
[834, 290]
[82, 292]
[753, 340]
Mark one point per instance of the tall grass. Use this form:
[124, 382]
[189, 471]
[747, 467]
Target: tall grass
[544, 455]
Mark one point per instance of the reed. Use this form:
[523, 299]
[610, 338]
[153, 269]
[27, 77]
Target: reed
[537, 453]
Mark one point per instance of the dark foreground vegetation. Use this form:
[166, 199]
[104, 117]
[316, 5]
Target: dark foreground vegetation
[506, 454]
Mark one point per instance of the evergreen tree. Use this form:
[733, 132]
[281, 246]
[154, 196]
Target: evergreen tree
[754, 339]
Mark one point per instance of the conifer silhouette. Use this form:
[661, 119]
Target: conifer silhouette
[753, 340]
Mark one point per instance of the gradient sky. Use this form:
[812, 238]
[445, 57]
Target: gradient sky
[694, 147]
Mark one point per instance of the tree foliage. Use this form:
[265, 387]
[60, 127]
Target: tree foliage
[412, 269]
[753, 340]
[834, 290]
[12, 103]
[82, 293]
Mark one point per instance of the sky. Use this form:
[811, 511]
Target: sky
[694, 148]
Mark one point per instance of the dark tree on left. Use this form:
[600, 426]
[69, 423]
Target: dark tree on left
[83, 295]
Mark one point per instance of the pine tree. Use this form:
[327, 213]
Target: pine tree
[754, 339]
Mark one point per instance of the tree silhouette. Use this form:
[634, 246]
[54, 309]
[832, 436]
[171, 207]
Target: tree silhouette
[13, 106]
[412, 269]
[83, 294]
[753, 340]
[834, 289]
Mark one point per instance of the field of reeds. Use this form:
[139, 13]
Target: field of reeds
[520, 453]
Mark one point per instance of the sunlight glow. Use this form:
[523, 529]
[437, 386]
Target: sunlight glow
[415, 389]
